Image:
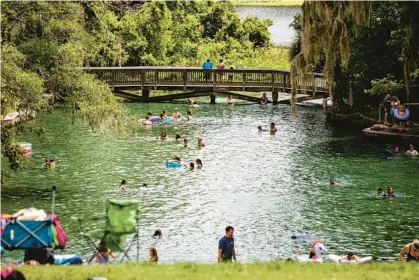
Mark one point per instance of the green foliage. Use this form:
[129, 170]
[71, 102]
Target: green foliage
[385, 86]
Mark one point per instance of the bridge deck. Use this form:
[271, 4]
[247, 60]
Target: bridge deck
[194, 78]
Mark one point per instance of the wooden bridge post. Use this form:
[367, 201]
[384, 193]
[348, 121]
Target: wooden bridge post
[284, 80]
[275, 97]
[212, 96]
[244, 81]
[142, 80]
[185, 79]
[145, 94]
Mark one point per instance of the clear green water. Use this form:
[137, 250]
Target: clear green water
[267, 187]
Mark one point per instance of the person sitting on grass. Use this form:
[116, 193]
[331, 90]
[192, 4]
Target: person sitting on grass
[411, 250]
[153, 256]
[103, 253]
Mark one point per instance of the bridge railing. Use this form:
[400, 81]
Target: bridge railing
[194, 77]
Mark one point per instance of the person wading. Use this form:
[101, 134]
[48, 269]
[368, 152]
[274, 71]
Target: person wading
[226, 249]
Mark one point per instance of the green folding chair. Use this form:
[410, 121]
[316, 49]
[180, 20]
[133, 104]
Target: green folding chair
[121, 220]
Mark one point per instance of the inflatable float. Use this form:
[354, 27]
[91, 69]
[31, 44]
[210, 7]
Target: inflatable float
[173, 164]
[400, 117]
[317, 253]
[168, 120]
[337, 259]
[25, 147]
[154, 120]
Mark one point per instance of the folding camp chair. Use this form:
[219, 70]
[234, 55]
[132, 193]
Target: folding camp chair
[121, 220]
[28, 234]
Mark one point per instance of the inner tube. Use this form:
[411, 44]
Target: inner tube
[404, 117]
[147, 122]
[154, 120]
[335, 258]
[168, 120]
[173, 164]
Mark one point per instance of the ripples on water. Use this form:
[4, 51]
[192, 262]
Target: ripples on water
[268, 187]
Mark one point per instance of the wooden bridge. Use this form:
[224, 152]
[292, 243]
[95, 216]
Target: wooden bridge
[201, 82]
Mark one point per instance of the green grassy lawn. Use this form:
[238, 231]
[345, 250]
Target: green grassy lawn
[269, 270]
[271, 3]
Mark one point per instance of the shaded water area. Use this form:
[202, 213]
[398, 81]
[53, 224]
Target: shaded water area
[281, 33]
[268, 187]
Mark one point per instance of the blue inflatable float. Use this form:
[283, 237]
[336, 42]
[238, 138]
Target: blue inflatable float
[400, 117]
[173, 164]
[168, 120]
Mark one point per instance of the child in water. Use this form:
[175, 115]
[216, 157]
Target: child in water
[188, 115]
[201, 143]
[272, 128]
[185, 143]
[122, 185]
[198, 163]
[332, 183]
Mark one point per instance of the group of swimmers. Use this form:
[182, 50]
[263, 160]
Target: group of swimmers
[390, 193]
[164, 137]
[191, 164]
[389, 152]
[272, 128]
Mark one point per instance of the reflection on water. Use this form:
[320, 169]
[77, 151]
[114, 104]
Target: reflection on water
[281, 33]
[268, 187]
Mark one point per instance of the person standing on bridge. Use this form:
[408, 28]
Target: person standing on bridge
[207, 66]
[220, 67]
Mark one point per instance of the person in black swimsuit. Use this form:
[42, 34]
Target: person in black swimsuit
[412, 251]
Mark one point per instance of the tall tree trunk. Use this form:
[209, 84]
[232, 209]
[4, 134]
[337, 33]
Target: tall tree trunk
[407, 82]
[351, 91]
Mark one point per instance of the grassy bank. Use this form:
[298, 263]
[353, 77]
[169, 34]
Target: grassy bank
[271, 270]
[277, 3]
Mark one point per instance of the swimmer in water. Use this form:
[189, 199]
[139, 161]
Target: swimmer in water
[177, 137]
[191, 166]
[176, 114]
[185, 143]
[122, 185]
[272, 128]
[230, 100]
[380, 193]
[188, 115]
[332, 183]
[163, 136]
[260, 129]
[176, 159]
[201, 143]
[350, 257]
[198, 163]
[158, 234]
